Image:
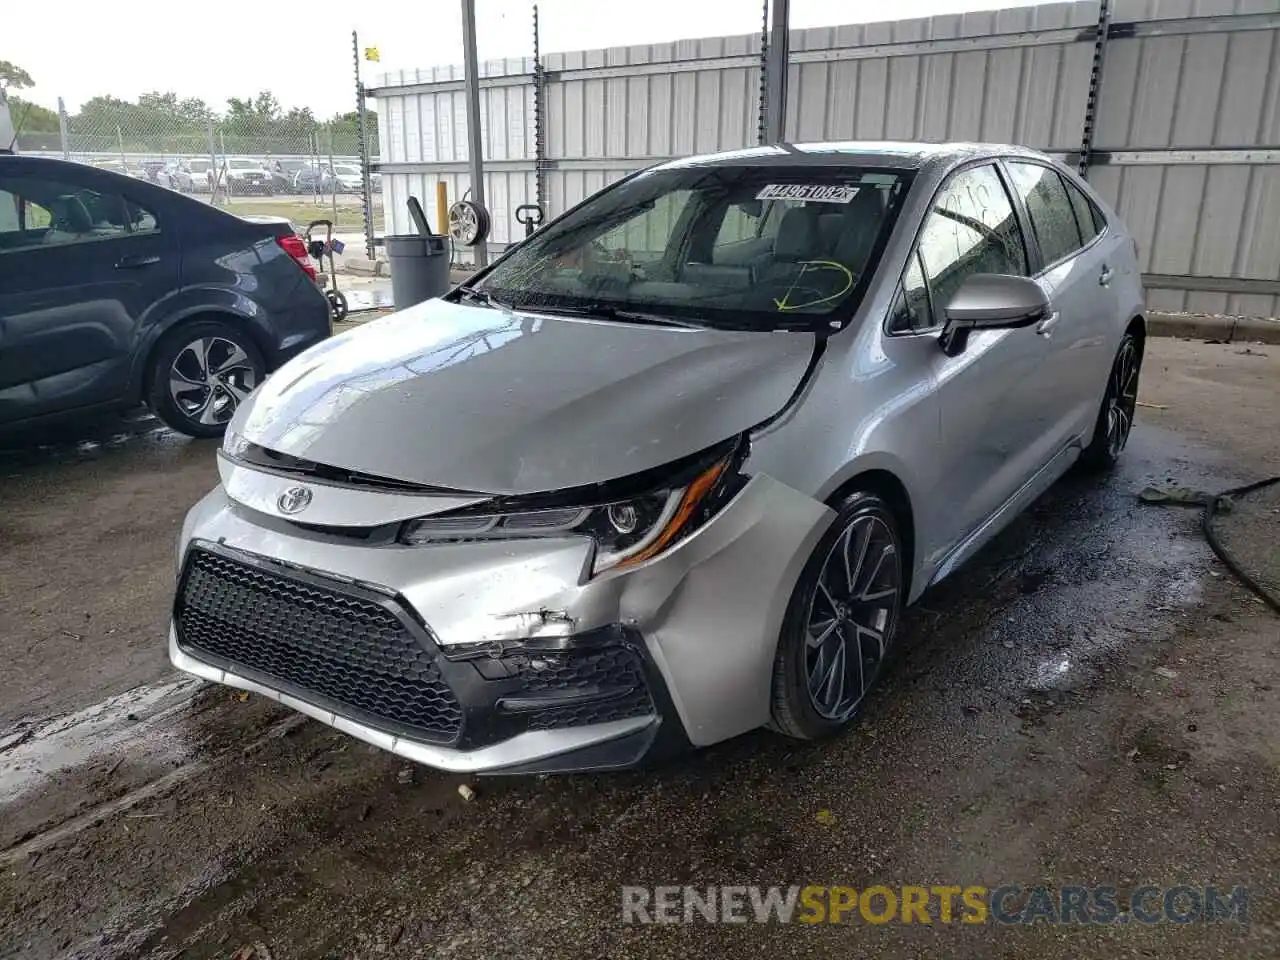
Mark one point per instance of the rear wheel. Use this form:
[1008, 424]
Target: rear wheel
[1119, 403]
[840, 621]
[337, 304]
[200, 374]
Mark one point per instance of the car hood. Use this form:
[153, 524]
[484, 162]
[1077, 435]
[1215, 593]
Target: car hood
[485, 400]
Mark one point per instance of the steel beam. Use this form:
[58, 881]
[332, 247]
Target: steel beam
[475, 142]
[776, 72]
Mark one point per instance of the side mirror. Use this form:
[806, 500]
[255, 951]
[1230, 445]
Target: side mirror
[989, 301]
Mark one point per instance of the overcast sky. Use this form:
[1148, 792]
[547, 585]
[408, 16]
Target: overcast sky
[302, 50]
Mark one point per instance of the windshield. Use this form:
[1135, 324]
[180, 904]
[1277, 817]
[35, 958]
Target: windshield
[244, 165]
[199, 166]
[742, 247]
[346, 171]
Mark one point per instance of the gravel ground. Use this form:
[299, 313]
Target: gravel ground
[1091, 701]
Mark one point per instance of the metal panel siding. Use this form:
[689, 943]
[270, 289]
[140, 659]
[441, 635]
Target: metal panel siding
[1019, 74]
[873, 99]
[811, 123]
[707, 112]
[1000, 108]
[685, 113]
[1200, 90]
[1176, 220]
[968, 88]
[904, 92]
[1260, 237]
[1251, 58]
[1139, 207]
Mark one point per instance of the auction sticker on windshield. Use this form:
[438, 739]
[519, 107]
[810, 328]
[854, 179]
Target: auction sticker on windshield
[819, 192]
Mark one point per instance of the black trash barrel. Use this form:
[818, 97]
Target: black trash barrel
[419, 268]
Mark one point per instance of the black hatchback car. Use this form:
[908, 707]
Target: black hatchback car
[115, 291]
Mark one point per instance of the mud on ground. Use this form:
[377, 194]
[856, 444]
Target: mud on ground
[1093, 700]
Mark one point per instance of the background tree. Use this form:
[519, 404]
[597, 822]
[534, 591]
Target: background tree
[13, 77]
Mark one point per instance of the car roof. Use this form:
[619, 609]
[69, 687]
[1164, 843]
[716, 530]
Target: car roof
[902, 155]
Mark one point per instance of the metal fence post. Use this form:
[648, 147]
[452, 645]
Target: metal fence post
[475, 142]
[213, 163]
[120, 144]
[362, 143]
[778, 56]
[539, 121]
[762, 117]
[1095, 85]
[333, 186]
[62, 129]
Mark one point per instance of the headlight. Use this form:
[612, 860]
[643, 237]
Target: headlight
[625, 531]
[234, 444]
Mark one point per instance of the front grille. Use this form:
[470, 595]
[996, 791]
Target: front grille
[614, 670]
[315, 640]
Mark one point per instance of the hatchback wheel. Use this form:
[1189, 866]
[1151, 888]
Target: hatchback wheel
[840, 621]
[1119, 403]
[200, 375]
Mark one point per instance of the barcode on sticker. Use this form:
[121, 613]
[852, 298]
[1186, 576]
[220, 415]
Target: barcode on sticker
[818, 192]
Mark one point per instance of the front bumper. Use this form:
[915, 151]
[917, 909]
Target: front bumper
[536, 667]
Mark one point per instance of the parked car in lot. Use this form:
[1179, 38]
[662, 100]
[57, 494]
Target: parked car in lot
[313, 179]
[177, 175]
[115, 291]
[171, 173]
[201, 174]
[242, 176]
[348, 177]
[284, 174]
[671, 469]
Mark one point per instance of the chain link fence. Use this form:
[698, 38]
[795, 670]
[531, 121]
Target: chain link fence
[256, 153]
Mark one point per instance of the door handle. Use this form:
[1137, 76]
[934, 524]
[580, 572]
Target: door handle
[134, 262]
[1104, 278]
[1045, 326]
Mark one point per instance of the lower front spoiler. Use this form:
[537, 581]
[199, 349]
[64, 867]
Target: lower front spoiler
[603, 746]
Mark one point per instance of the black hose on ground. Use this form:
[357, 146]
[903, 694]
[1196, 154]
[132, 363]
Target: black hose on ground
[1225, 555]
[1215, 503]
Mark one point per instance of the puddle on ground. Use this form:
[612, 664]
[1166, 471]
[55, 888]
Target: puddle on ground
[138, 721]
[359, 300]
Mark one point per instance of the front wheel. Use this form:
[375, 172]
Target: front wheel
[1119, 403]
[840, 621]
[200, 374]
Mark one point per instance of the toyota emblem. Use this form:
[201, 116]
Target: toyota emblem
[294, 500]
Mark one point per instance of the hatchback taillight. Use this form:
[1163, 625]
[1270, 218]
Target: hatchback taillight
[294, 246]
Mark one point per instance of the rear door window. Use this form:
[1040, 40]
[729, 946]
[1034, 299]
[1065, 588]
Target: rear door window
[1049, 208]
[58, 213]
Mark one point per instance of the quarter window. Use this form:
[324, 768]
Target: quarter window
[1088, 217]
[1049, 208]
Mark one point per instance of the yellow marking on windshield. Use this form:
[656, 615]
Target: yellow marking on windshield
[784, 306]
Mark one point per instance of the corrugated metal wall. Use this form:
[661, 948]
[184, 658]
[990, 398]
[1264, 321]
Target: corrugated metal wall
[1190, 111]
[1181, 77]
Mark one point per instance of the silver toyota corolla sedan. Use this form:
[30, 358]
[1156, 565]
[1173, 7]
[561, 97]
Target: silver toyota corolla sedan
[670, 469]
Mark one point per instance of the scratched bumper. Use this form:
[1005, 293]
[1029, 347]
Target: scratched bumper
[548, 669]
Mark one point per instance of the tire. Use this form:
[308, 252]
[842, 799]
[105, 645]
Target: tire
[1119, 404]
[825, 606]
[337, 304]
[199, 375]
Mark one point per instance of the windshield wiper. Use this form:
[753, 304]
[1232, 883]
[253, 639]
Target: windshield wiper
[611, 313]
[479, 296]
